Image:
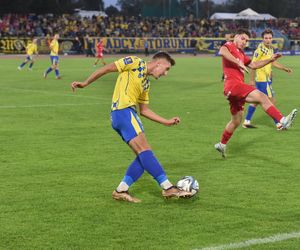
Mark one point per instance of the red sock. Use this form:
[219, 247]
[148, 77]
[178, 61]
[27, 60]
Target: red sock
[225, 136]
[274, 113]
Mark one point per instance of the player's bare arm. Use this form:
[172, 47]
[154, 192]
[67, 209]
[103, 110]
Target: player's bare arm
[252, 77]
[226, 53]
[262, 63]
[93, 77]
[277, 65]
[149, 114]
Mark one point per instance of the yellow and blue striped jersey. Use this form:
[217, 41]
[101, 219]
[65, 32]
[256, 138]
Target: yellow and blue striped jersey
[31, 48]
[133, 85]
[262, 52]
[54, 47]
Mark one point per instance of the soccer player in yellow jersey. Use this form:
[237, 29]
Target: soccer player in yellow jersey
[132, 92]
[31, 50]
[54, 48]
[263, 79]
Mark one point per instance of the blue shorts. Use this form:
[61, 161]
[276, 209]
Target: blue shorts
[29, 58]
[266, 88]
[127, 123]
[54, 60]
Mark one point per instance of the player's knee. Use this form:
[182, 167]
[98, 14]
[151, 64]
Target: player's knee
[272, 100]
[265, 101]
[236, 122]
[143, 146]
[263, 97]
[140, 149]
[139, 144]
[146, 148]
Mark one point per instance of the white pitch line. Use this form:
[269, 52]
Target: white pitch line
[259, 241]
[57, 94]
[46, 105]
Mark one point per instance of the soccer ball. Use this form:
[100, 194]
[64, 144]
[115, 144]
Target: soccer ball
[189, 184]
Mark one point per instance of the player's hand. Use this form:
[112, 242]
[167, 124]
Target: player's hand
[75, 85]
[288, 70]
[242, 66]
[173, 121]
[275, 57]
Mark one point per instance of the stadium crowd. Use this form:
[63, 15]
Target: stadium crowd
[121, 26]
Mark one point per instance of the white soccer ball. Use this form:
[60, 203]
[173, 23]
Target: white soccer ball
[189, 184]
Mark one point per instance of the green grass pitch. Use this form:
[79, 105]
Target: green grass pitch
[60, 161]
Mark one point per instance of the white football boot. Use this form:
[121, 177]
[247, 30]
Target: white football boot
[221, 148]
[288, 120]
[247, 124]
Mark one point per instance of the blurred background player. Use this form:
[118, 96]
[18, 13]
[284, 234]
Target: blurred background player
[146, 47]
[89, 46]
[193, 45]
[263, 79]
[54, 48]
[238, 92]
[31, 49]
[77, 45]
[99, 53]
[132, 92]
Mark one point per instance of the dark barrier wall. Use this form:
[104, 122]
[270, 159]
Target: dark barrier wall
[127, 44]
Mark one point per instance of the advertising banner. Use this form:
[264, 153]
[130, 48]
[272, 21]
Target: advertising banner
[171, 44]
[128, 44]
[17, 45]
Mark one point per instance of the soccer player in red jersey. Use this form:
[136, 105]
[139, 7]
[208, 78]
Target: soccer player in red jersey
[99, 55]
[238, 92]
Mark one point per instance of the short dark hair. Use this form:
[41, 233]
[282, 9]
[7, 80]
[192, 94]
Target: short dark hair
[165, 55]
[267, 31]
[243, 31]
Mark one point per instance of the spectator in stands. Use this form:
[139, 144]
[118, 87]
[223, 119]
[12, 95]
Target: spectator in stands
[72, 26]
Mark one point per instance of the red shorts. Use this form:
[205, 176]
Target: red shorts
[99, 55]
[236, 94]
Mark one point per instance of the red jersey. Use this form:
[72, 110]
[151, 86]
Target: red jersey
[232, 72]
[235, 90]
[99, 47]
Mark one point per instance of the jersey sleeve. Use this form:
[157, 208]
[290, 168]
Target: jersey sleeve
[257, 55]
[126, 63]
[228, 45]
[144, 97]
